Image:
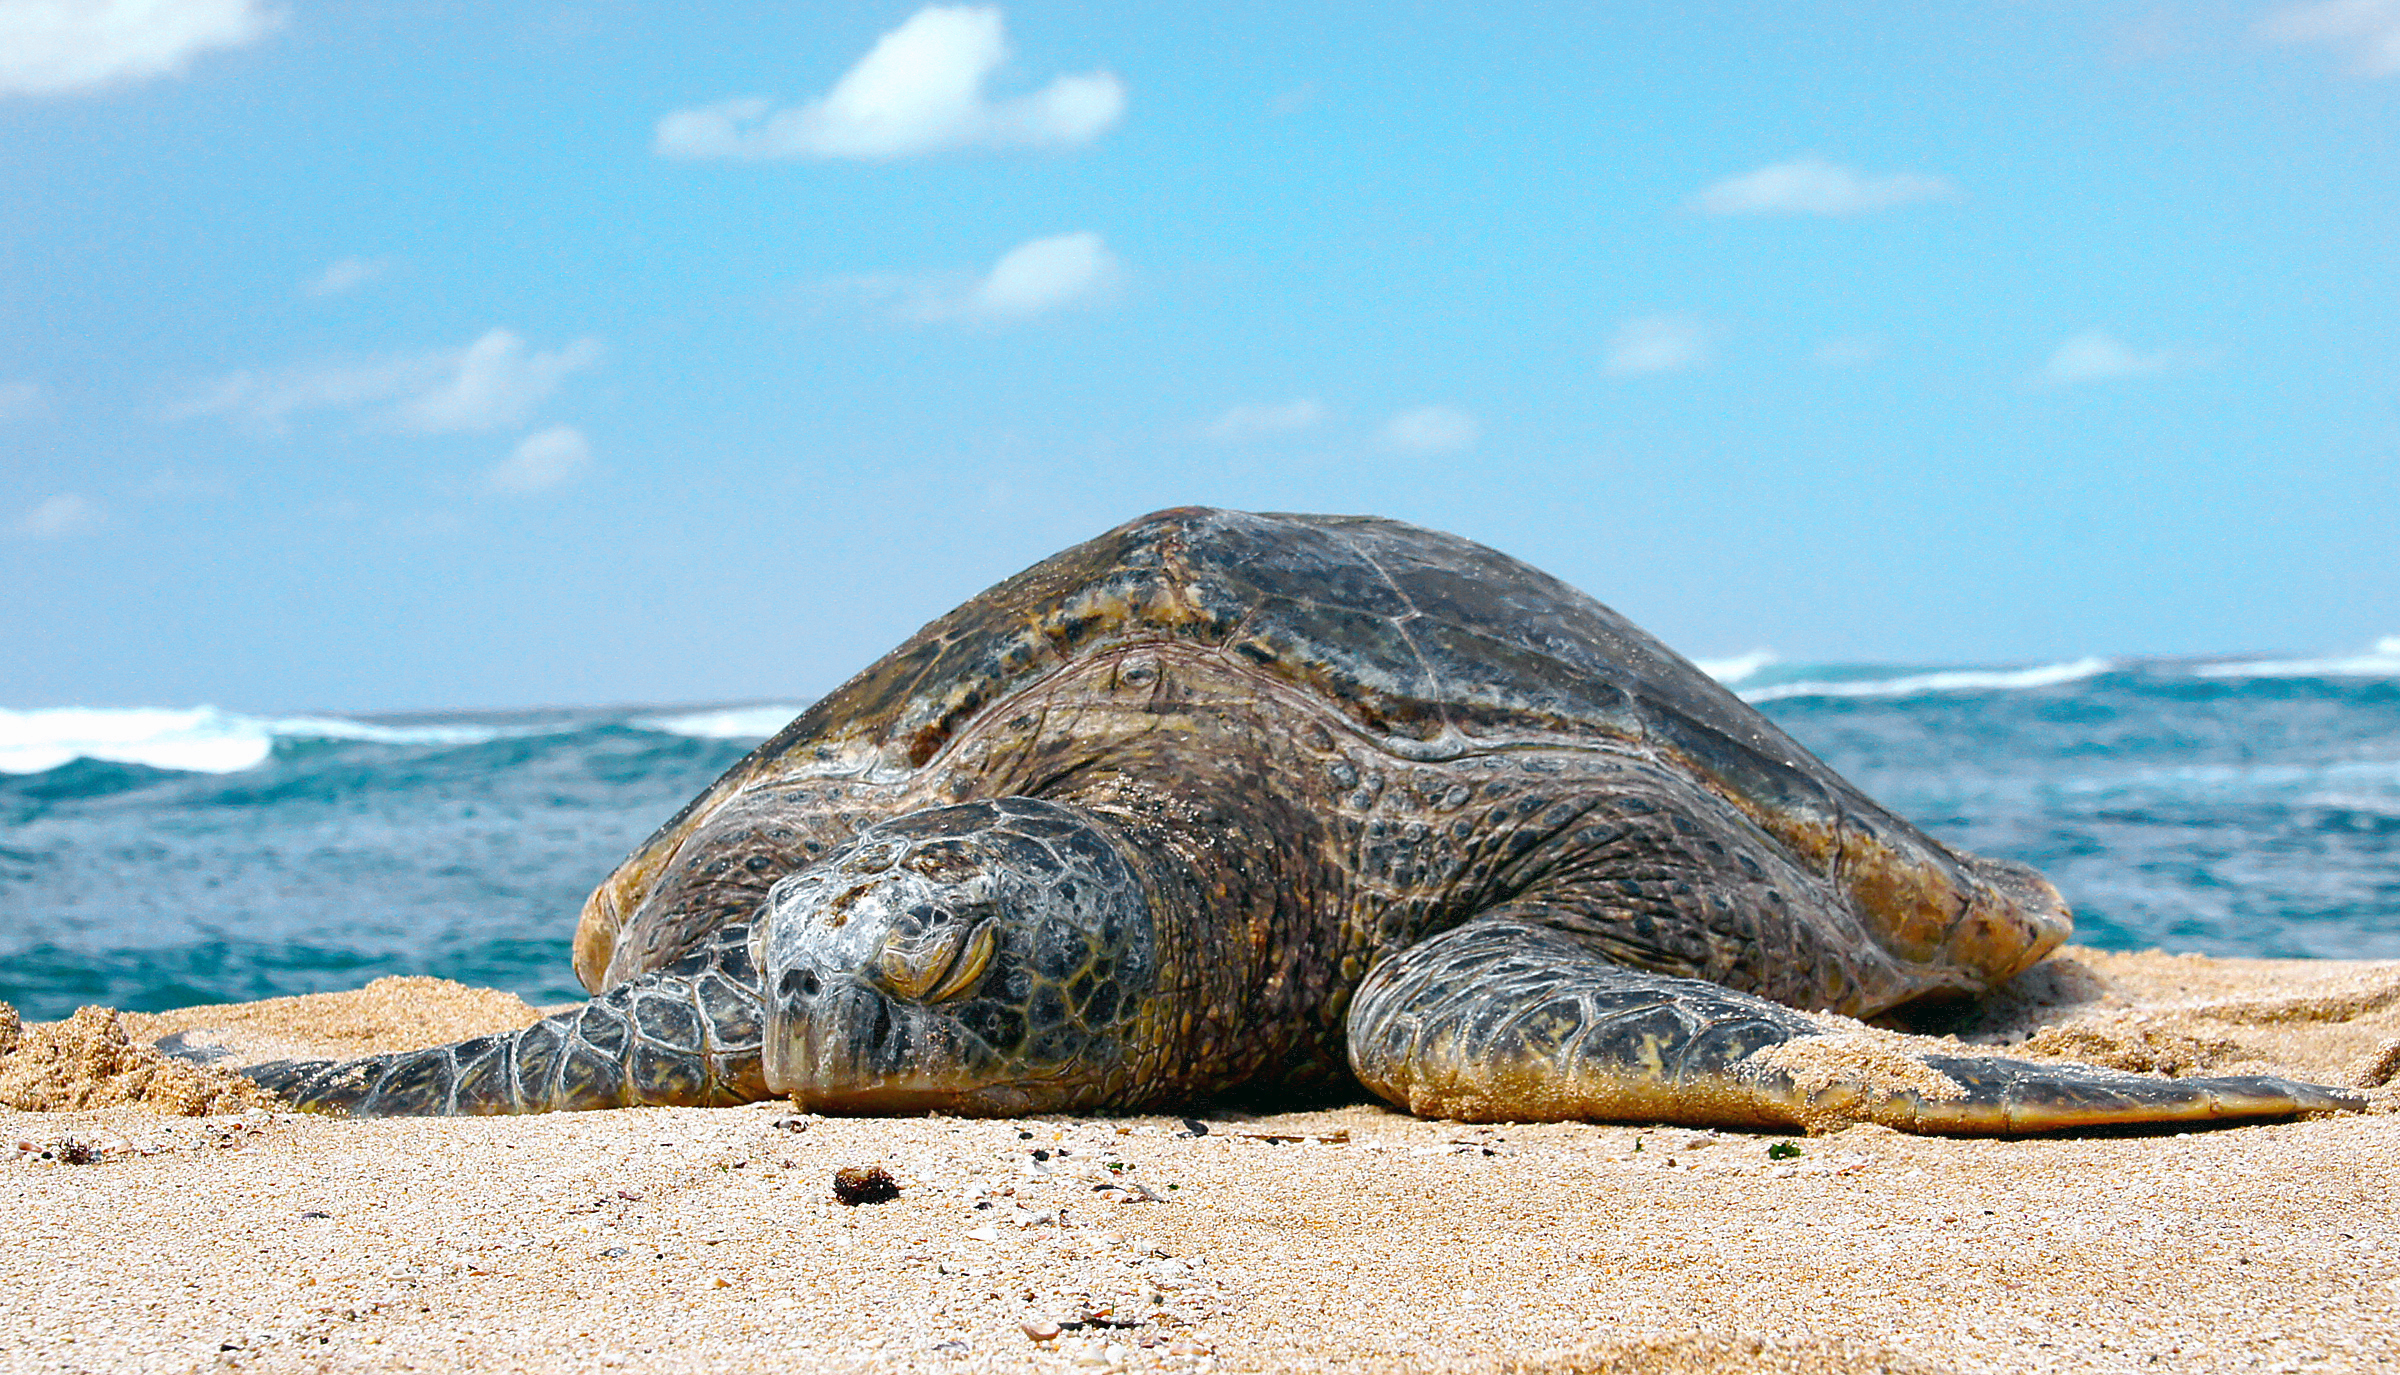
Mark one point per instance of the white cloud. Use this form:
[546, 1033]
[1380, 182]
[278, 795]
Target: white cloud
[1813, 186]
[347, 275]
[920, 90]
[1258, 421]
[1656, 343]
[60, 516]
[493, 382]
[2098, 356]
[2368, 30]
[1033, 279]
[21, 401]
[1432, 430]
[541, 461]
[63, 47]
[1041, 276]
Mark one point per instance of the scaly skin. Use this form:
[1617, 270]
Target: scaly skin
[1507, 1019]
[687, 1034]
[1141, 825]
[1573, 951]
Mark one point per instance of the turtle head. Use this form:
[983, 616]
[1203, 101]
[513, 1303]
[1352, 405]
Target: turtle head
[987, 959]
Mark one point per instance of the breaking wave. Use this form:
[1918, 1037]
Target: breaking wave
[2382, 661]
[192, 740]
[211, 740]
[1888, 683]
[724, 723]
[160, 857]
[1740, 668]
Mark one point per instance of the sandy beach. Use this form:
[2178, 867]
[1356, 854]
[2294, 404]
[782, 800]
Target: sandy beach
[1353, 1238]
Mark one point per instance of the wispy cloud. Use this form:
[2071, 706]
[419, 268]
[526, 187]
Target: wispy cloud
[1847, 351]
[541, 461]
[1432, 430]
[1253, 421]
[344, 276]
[2099, 356]
[920, 90]
[1656, 343]
[22, 401]
[493, 382]
[1813, 186]
[60, 516]
[1036, 278]
[1044, 275]
[66, 47]
[2367, 31]
[176, 484]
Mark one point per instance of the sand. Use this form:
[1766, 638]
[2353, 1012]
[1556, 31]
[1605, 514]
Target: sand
[1349, 1239]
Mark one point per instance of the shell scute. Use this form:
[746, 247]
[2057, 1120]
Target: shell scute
[1436, 646]
[1361, 661]
[1293, 558]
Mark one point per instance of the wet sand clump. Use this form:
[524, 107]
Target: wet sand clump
[88, 1061]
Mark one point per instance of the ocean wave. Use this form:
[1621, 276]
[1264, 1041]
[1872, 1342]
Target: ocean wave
[1738, 669]
[1929, 684]
[190, 739]
[2382, 661]
[724, 723]
[211, 740]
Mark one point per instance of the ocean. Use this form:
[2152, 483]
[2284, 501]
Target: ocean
[165, 857]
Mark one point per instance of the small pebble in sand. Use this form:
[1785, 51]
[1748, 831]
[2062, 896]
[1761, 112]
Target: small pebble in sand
[856, 1184]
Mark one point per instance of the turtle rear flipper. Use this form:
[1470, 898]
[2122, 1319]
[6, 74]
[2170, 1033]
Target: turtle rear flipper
[2003, 1097]
[1506, 1018]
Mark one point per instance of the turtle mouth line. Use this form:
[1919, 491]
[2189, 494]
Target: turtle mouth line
[855, 1053]
[855, 1044]
[922, 1093]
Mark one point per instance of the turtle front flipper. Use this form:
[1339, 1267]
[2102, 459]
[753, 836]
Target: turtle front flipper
[687, 1035]
[1506, 1019]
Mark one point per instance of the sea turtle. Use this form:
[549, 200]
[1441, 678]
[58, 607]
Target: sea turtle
[1221, 803]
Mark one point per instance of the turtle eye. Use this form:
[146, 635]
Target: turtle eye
[938, 965]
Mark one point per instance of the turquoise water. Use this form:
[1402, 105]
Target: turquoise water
[153, 859]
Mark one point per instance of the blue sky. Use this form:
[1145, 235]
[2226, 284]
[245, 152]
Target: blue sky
[447, 355]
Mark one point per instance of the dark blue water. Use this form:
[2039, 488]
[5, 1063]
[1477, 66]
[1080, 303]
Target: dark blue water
[2228, 809]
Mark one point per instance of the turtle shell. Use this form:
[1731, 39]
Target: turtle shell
[1435, 645]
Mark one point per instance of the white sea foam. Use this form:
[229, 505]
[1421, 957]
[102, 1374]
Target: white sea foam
[1739, 668]
[191, 739]
[1929, 684]
[724, 723]
[2382, 661]
[201, 739]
